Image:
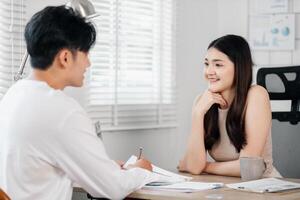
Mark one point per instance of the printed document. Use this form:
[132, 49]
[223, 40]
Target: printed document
[265, 185]
[186, 187]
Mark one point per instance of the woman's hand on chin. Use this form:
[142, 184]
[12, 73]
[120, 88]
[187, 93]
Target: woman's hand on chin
[206, 100]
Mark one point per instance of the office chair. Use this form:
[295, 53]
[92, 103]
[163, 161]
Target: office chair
[283, 83]
[290, 79]
[3, 195]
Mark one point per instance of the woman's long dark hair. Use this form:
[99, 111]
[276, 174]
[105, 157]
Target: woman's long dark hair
[238, 51]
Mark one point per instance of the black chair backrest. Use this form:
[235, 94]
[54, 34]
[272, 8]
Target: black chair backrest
[291, 90]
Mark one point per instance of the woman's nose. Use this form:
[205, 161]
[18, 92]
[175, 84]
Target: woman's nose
[210, 69]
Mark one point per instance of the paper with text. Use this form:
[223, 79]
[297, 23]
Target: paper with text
[186, 187]
[265, 185]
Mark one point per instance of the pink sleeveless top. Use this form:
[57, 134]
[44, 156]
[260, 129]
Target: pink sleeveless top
[223, 150]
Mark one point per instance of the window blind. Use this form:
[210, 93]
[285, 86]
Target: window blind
[12, 21]
[132, 79]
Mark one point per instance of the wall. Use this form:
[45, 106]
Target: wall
[196, 28]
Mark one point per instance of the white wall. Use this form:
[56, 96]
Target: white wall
[233, 17]
[197, 27]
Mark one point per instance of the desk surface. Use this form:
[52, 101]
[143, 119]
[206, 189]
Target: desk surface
[222, 193]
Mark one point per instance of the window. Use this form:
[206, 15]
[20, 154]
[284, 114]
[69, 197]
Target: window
[12, 21]
[132, 81]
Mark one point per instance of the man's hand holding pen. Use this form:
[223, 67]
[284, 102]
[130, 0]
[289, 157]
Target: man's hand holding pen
[140, 153]
[142, 162]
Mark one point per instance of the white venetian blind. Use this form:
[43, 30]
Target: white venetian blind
[132, 79]
[12, 21]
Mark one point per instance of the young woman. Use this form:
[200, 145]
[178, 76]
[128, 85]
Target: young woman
[231, 119]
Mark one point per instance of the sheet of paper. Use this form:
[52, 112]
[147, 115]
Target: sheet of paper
[130, 161]
[158, 170]
[187, 186]
[161, 171]
[265, 185]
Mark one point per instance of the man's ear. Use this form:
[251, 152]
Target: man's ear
[65, 58]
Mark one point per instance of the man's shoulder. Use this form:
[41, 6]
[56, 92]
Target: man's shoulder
[61, 103]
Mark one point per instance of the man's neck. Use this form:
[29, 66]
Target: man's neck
[48, 76]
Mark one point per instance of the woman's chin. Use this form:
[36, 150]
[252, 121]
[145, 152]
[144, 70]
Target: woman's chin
[213, 89]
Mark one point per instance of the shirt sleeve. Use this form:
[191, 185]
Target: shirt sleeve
[82, 157]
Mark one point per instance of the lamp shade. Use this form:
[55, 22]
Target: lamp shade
[84, 8]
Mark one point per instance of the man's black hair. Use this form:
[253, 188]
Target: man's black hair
[53, 29]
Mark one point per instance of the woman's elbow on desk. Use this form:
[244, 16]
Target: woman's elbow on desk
[195, 170]
[191, 167]
[227, 168]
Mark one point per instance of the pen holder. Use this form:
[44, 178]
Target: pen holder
[252, 168]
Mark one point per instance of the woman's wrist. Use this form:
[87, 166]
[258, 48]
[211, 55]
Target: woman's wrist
[206, 168]
[198, 116]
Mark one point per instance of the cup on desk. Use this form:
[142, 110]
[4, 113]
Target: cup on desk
[252, 168]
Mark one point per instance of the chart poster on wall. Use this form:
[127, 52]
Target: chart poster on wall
[272, 32]
[269, 6]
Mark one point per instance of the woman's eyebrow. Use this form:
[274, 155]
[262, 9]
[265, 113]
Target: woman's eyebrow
[217, 60]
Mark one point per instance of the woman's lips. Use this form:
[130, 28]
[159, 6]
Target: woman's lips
[213, 80]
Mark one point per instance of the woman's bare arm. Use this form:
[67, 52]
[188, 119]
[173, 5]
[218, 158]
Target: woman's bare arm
[195, 156]
[257, 127]
[194, 160]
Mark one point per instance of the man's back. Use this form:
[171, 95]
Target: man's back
[48, 144]
[30, 117]
[47, 140]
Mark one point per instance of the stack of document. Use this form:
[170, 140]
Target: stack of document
[169, 181]
[186, 187]
[265, 185]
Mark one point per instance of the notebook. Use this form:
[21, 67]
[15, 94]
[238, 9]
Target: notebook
[265, 185]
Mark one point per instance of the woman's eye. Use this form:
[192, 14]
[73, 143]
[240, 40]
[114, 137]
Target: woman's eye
[205, 64]
[219, 65]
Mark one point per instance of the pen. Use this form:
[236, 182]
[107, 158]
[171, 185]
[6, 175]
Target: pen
[140, 154]
[218, 185]
[252, 190]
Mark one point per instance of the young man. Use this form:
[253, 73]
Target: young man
[48, 143]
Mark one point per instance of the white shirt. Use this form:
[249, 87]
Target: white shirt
[48, 143]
